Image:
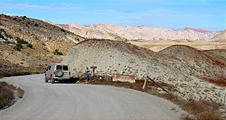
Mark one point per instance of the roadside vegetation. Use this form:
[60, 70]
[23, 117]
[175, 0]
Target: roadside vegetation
[198, 110]
[57, 52]
[19, 44]
[37, 70]
[9, 94]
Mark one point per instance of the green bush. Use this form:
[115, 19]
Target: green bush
[24, 17]
[57, 52]
[7, 35]
[21, 41]
[62, 30]
[29, 45]
[1, 36]
[36, 25]
[18, 47]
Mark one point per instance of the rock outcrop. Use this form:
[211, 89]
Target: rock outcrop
[183, 70]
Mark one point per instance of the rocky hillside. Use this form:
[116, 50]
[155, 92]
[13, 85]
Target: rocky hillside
[195, 62]
[27, 42]
[114, 32]
[184, 68]
[39, 33]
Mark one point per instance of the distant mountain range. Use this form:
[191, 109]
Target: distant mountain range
[200, 30]
[139, 33]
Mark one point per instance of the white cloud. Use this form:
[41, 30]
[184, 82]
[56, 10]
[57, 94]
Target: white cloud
[61, 6]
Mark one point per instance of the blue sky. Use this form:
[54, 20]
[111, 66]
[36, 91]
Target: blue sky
[173, 14]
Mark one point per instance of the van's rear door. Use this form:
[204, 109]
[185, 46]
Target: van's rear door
[66, 71]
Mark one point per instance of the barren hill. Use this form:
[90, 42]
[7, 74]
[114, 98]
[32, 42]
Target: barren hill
[139, 33]
[30, 42]
[177, 70]
[221, 37]
[195, 62]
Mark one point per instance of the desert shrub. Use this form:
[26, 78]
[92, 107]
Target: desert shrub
[20, 92]
[18, 47]
[29, 45]
[7, 35]
[36, 25]
[62, 30]
[77, 39]
[24, 17]
[57, 52]
[21, 41]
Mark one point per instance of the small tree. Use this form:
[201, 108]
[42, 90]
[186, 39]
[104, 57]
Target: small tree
[1, 36]
[29, 45]
[21, 41]
[57, 52]
[62, 30]
[18, 47]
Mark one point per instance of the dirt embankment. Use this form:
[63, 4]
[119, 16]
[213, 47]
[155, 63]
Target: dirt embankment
[9, 94]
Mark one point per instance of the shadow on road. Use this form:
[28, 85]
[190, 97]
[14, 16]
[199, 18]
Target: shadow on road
[71, 81]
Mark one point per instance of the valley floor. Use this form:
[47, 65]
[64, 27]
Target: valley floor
[158, 46]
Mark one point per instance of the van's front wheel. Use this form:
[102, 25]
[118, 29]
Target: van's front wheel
[52, 80]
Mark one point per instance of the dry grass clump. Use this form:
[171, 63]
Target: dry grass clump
[209, 115]
[203, 110]
[6, 94]
[221, 81]
[105, 80]
[25, 71]
[20, 93]
[8, 74]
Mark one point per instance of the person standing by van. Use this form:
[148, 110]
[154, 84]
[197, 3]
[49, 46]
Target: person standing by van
[88, 74]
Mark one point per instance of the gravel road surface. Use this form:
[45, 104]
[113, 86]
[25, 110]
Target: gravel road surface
[45, 101]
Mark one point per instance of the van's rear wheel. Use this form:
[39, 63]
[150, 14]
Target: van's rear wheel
[46, 79]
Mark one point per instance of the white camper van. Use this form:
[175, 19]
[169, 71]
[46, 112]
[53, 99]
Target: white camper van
[57, 71]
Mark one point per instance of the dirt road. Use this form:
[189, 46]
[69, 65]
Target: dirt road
[45, 101]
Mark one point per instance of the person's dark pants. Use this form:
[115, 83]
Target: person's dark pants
[88, 76]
